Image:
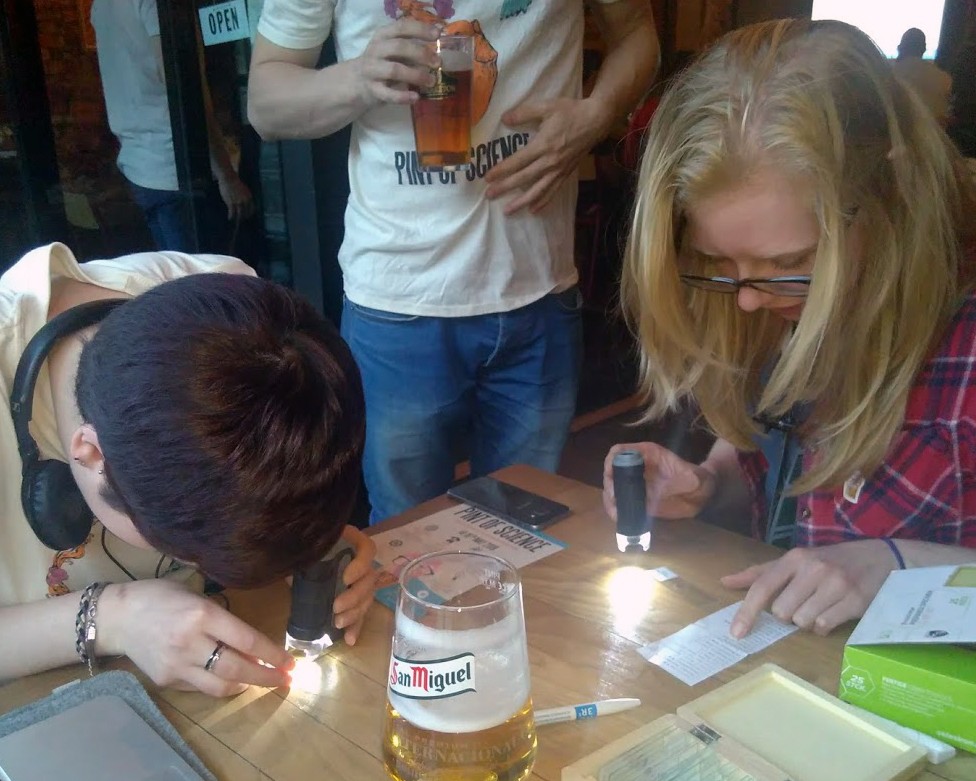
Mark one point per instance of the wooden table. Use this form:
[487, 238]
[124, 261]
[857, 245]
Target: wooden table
[587, 609]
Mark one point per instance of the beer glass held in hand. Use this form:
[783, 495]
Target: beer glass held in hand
[442, 116]
[458, 706]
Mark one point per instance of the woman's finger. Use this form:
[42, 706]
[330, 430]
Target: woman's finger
[208, 683]
[842, 611]
[244, 638]
[772, 579]
[827, 592]
[235, 667]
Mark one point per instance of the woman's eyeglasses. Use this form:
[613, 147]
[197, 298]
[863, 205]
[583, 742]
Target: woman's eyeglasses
[794, 287]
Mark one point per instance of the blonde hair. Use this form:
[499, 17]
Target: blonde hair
[818, 101]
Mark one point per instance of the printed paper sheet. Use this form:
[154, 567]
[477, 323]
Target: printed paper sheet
[705, 648]
[458, 528]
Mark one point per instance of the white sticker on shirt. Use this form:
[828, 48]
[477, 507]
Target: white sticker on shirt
[853, 486]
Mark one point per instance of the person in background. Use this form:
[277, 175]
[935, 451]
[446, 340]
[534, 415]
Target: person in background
[801, 267]
[213, 424]
[930, 83]
[130, 61]
[461, 301]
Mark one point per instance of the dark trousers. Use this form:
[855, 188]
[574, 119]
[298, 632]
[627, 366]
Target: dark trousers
[167, 214]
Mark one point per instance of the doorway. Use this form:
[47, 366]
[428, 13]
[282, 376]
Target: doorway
[61, 177]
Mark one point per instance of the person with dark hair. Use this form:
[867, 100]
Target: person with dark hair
[214, 426]
[924, 77]
[912, 44]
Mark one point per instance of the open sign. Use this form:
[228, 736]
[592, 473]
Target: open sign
[224, 22]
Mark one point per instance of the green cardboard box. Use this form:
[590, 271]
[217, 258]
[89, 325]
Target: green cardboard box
[912, 657]
[931, 688]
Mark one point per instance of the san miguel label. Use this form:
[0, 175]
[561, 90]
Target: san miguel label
[432, 680]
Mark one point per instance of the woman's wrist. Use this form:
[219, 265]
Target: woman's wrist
[899, 560]
[86, 625]
[708, 476]
[726, 490]
[110, 629]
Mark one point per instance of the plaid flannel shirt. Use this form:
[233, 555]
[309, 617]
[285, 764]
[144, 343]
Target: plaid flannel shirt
[926, 487]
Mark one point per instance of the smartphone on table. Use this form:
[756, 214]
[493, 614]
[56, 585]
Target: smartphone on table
[509, 502]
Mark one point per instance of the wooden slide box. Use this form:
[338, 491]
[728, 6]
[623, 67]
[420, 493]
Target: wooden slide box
[767, 725]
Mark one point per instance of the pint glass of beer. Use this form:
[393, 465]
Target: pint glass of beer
[442, 116]
[458, 706]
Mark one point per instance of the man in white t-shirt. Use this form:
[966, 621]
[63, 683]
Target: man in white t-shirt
[131, 65]
[930, 83]
[461, 306]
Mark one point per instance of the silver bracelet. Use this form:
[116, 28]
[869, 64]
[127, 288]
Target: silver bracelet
[85, 626]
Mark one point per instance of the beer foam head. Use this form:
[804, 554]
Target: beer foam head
[414, 637]
[454, 57]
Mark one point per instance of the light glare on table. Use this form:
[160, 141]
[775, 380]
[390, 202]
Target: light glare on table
[630, 590]
[307, 676]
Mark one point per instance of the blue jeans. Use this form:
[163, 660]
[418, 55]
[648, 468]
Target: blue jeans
[166, 213]
[499, 387]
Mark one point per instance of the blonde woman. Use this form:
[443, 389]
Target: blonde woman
[801, 267]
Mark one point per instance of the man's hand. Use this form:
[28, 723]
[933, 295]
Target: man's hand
[398, 58]
[815, 588]
[360, 577]
[567, 130]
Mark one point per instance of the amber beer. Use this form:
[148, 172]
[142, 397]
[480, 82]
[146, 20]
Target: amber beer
[442, 116]
[458, 706]
[505, 752]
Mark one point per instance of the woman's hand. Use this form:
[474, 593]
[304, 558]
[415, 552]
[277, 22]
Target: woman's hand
[815, 588]
[169, 632]
[675, 488]
[360, 577]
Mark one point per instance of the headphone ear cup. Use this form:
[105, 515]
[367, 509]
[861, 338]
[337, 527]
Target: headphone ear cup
[54, 506]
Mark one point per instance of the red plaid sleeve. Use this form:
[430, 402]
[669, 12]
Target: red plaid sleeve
[926, 488]
[754, 466]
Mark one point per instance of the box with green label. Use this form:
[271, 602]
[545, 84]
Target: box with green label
[912, 658]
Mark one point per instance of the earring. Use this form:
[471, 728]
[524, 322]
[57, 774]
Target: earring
[101, 471]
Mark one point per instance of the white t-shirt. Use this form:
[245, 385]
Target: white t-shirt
[429, 243]
[28, 570]
[135, 90]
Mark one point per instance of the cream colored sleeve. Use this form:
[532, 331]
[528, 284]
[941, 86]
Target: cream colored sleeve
[135, 274]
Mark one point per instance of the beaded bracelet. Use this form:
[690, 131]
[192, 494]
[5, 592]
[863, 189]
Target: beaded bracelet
[85, 628]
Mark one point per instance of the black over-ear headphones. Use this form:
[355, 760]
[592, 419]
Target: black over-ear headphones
[52, 501]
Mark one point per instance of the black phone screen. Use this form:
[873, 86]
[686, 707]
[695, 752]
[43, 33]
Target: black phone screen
[509, 502]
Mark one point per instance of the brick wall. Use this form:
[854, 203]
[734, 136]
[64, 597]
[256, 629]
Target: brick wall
[85, 145]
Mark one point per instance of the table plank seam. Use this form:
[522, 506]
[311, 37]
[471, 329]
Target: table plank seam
[233, 751]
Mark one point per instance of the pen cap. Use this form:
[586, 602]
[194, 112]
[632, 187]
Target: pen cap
[313, 593]
[630, 493]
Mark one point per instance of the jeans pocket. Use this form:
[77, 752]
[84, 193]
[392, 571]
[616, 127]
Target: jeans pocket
[570, 300]
[379, 315]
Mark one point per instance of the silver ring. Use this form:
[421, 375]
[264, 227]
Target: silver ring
[217, 651]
